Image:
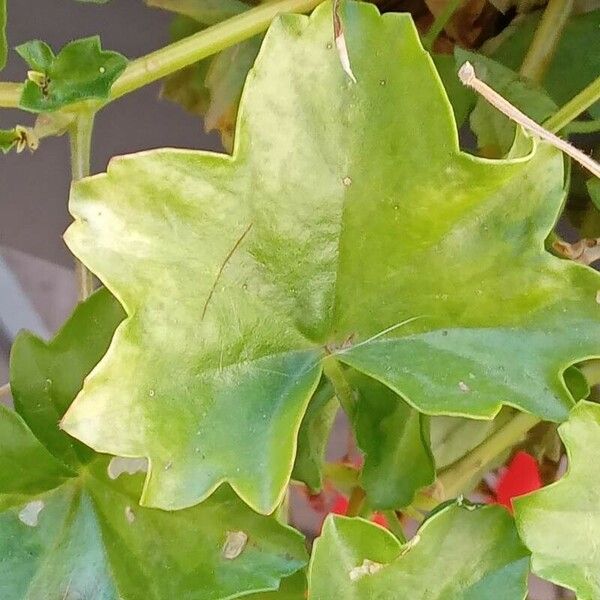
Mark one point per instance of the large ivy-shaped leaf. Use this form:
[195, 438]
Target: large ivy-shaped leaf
[560, 523]
[80, 71]
[347, 223]
[461, 552]
[77, 532]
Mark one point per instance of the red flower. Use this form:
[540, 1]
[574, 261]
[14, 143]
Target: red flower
[521, 476]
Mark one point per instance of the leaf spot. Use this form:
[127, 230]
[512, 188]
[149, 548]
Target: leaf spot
[168, 465]
[129, 514]
[151, 393]
[368, 567]
[463, 387]
[347, 181]
[119, 465]
[382, 82]
[102, 70]
[234, 544]
[30, 513]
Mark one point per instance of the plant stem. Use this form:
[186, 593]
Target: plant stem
[545, 40]
[574, 107]
[456, 477]
[440, 22]
[394, 525]
[344, 393]
[80, 134]
[10, 94]
[187, 51]
[583, 126]
[4, 390]
[356, 502]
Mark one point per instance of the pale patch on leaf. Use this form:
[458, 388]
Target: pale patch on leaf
[120, 464]
[234, 544]
[368, 567]
[30, 513]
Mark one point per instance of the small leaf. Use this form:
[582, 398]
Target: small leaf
[80, 71]
[20, 138]
[313, 437]
[79, 533]
[395, 440]
[43, 388]
[461, 552]
[495, 132]
[8, 139]
[558, 523]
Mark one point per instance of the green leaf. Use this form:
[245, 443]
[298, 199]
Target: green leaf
[292, 588]
[461, 97]
[313, 437]
[461, 552]
[335, 228]
[80, 533]
[26, 467]
[8, 139]
[496, 132]
[395, 440]
[43, 388]
[558, 523]
[80, 71]
[593, 187]
[576, 62]
[3, 42]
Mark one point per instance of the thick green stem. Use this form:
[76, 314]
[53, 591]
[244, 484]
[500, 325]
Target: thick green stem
[574, 107]
[80, 134]
[183, 53]
[344, 393]
[455, 479]
[440, 22]
[545, 40]
[10, 94]
[356, 502]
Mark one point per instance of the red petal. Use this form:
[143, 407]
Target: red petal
[520, 477]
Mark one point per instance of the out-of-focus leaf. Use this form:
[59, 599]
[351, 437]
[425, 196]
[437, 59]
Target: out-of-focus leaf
[43, 388]
[496, 132]
[18, 137]
[79, 533]
[461, 97]
[80, 71]
[395, 440]
[313, 437]
[8, 139]
[460, 552]
[593, 186]
[211, 88]
[559, 523]
[576, 62]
